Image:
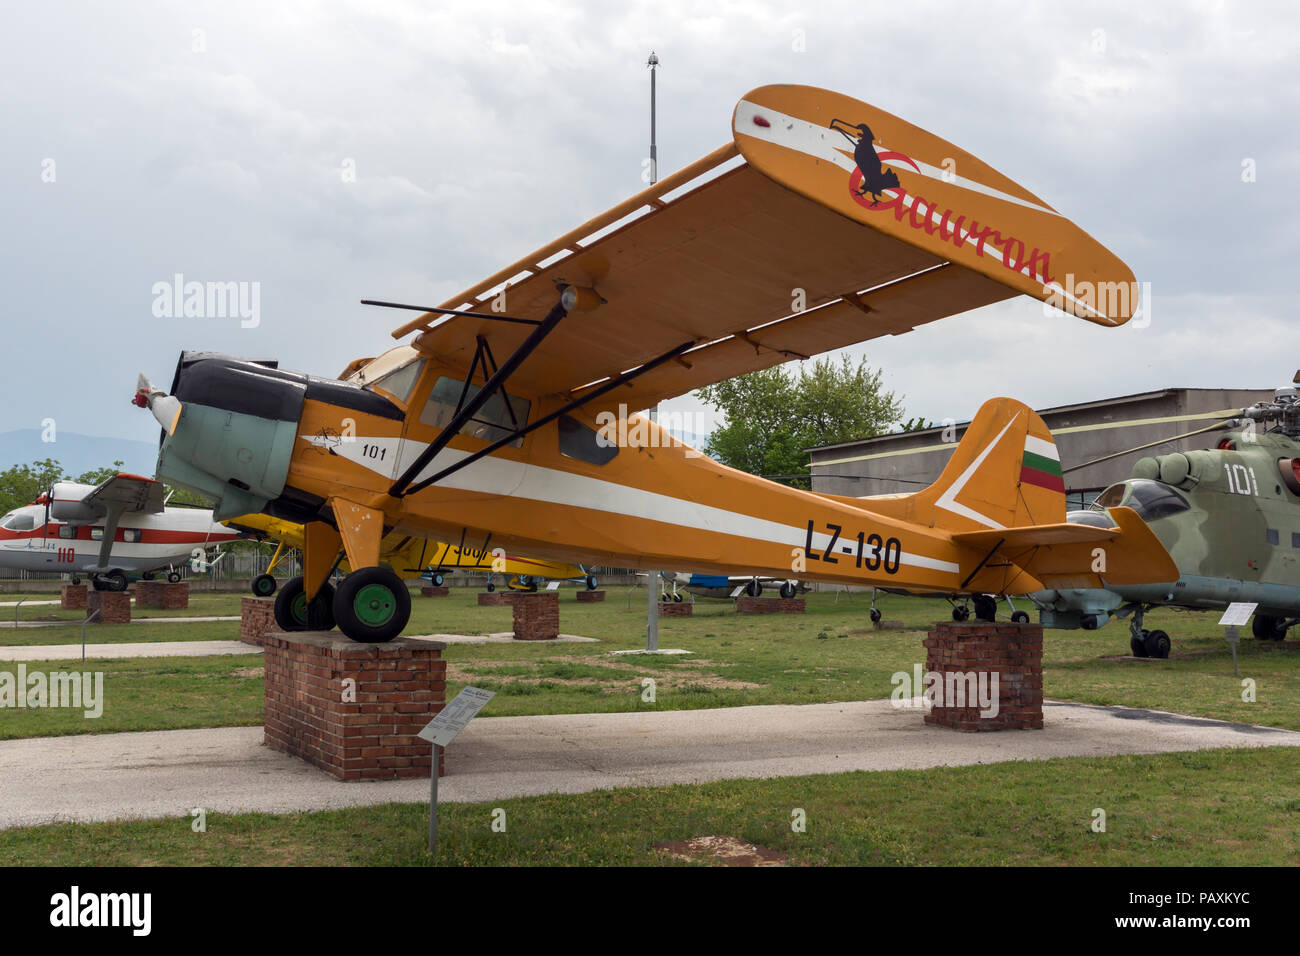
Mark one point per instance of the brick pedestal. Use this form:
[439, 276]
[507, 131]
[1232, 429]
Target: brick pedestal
[432, 590]
[114, 606]
[1012, 652]
[675, 609]
[72, 597]
[590, 597]
[537, 616]
[257, 619]
[494, 598]
[364, 730]
[161, 594]
[762, 605]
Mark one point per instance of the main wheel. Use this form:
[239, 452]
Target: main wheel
[147, 576]
[491, 587]
[1157, 644]
[174, 577]
[986, 609]
[113, 581]
[75, 580]
[1019, 617]
[1137, 644]
[960, 612]
[372, 605]
[677, 599]
[264, 585]
[876, 615]
[292, 613]
[1268, 628]
[787, 590]
[591, 582]
[437, 579]
[754, 588]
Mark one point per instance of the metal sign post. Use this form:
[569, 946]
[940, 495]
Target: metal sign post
[441, 731]
[1237, 614]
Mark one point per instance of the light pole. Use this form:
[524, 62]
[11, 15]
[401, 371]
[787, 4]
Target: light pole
[652, 577]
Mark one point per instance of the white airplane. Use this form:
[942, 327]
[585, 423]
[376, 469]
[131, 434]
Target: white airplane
[120, 525]
[725, 586]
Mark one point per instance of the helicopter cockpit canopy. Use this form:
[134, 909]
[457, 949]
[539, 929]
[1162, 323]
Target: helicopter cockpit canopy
[1150, 499]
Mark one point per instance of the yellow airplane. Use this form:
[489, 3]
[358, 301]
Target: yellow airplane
[823, 222]
[410, 558]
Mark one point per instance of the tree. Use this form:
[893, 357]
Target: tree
[773, 415]
[22, 484]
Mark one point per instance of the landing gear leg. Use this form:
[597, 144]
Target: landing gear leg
[1137, 641]
[875, 612]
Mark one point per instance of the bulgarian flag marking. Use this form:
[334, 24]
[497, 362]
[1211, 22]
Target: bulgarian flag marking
[1042, 465]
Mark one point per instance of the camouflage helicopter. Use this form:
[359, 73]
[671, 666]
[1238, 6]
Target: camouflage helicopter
[1229, 517]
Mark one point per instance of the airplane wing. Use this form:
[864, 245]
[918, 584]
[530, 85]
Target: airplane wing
[777, 246]
[119, 495]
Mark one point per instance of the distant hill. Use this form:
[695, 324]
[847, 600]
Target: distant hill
[77, 453]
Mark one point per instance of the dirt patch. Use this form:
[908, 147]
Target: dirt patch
[722, 851]
[249, 672]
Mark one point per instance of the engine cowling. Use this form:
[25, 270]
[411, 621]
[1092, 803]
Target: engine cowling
[67, 502]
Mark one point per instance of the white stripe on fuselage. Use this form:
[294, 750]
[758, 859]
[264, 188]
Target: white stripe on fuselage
[491, 475]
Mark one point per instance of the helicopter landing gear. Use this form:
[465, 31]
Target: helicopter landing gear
[1144, 643]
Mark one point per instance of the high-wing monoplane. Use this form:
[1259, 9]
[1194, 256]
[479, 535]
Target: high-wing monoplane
[508, 411]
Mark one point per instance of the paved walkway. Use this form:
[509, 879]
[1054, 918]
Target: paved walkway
[168, 773]
[65, 652]
[77, 622]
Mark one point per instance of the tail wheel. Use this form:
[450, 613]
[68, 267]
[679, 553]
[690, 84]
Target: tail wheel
[264, 585]
[1137, 644]
[372, 605]
[1020, 617]
[876, 615]
[787, 590]
[436, 580]
[1157, 644]
[293, 613]
[491, 587]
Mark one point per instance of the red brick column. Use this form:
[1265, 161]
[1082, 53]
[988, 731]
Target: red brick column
[590, 597]
[675, 608]
[257, 619]
[72, 597]
[1012, 652]
[494, 598]
[762, 605]
[354, 709]
[537, 616]
[114, 607]
[430, 590]
[162, 594]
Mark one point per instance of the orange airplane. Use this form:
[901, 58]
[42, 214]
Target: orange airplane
[507, 413]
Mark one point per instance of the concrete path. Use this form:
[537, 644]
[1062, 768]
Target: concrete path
[168, 773]
[498, 637]
[134, 620]
[65, 652]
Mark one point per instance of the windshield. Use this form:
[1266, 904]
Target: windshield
[399, 382]
[15, 521]
[1150, 499]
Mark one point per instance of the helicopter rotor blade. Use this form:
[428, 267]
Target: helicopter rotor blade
[1163, 441]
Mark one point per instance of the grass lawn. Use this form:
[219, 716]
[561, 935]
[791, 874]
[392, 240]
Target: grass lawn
[1237, 807]
[831, 653]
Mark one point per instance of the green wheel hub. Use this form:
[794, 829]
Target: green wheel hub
[299, 608]
[374, 605]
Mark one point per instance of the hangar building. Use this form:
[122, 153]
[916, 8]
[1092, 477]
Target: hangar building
[908, 461]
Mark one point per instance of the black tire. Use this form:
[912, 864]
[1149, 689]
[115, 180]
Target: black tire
[264, 585]
[876, 615]
[1019, 617]
[115, 581]
[592, 584]
[960, 613]
[1137, 644]
[437, 579]
[491, 587]
[147, 576]
[754, 588]
[787, 590]
[677, 599]
[1157, 644]
[174, 577]
[986, 609]
[1268, 628]
[372, 605]
[75, 580]
[292, 613]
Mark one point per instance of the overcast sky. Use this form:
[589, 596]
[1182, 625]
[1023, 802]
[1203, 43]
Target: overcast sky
[217, 140]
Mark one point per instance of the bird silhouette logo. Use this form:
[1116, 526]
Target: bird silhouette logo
[871, 178]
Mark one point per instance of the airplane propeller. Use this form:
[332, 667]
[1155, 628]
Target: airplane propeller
[166, 408]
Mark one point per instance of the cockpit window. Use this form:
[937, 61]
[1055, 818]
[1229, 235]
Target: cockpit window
[16, 521]
[399, 382]
[583, 443]
[1095, 519]
[492, 422]
[1150, 499]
